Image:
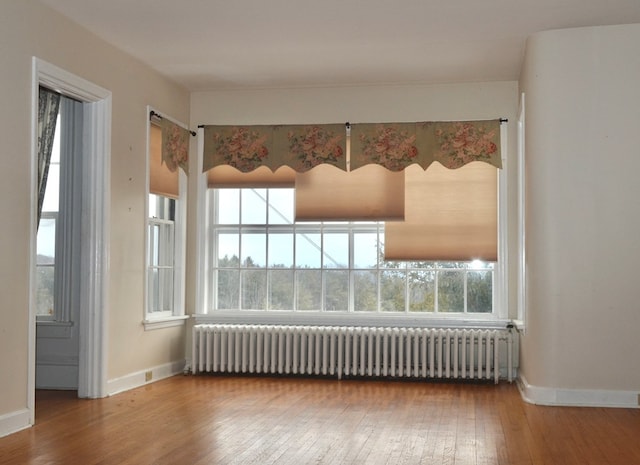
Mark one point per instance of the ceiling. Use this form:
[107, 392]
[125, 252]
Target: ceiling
[240, 44]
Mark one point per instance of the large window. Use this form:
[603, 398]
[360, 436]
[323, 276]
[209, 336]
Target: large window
[261, 259]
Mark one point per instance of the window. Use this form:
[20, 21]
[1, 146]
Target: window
[46, 237]
[161, 271]
[165, 239]
[260, 259]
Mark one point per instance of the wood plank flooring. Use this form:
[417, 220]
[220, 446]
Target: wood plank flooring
[297, 421]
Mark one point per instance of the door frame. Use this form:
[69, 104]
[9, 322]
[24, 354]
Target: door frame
[92, 363]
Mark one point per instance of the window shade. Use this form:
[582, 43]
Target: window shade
[450, 215]
[162, 181]
[228, 176]
[370, 193]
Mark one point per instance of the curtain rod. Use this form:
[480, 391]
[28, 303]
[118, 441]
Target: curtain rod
[348, 124]
[153, 114]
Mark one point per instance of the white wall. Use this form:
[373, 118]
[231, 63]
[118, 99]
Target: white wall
[582, 90]
[29, 29]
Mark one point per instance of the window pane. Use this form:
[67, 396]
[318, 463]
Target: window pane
[254, 250]
[228, 206]
[422, 291]
[46, 241]
[309, 287]
[160, 290]
[162, 207]
[228, 289]
[365, 250]
[44, 296]
[450, 291]
[228, 249]
[365, 288]
[392, 290]
[281, 250]
[336, 296]
[336, 250]
[479, 291]
[254, 289]
[308, 246]
[154, 239]
[161, 242]
[153, 285]
[281, 206]
[52, 190]
[281, 290]
[254, 206]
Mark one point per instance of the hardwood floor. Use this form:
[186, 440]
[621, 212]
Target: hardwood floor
[295, 421]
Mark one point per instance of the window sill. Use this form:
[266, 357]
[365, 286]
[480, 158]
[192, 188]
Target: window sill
[519, 325]
[167, 322]
[350, 319]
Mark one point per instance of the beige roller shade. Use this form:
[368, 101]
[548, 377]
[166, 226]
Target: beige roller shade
[228, 176]
[370, 193]
[161, 180]
[450, 214]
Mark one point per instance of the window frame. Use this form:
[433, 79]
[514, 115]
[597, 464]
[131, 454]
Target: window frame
[497, 318]
[176, 316]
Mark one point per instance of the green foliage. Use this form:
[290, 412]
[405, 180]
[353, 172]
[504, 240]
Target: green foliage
[397, 282]
[45, 290]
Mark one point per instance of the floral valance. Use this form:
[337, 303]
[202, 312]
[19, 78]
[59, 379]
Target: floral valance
[398, 145]
[300, 147]
[175, 146]
[392, 145]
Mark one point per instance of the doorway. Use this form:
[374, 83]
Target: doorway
[94, 246]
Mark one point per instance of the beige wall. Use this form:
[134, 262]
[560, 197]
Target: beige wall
[29, 29]
[582, 91]
[466, 101]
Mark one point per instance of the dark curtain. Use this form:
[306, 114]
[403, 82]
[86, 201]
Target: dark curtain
[48, 106]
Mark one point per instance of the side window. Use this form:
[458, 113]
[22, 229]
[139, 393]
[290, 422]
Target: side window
[46, 238]
[165, 253]
[161, 272]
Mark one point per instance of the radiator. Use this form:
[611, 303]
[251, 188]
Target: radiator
[353, 351]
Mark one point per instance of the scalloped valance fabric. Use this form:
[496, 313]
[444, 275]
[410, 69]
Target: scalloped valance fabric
[394, 146]
[300, 147]
[175, 146]
[398, 145]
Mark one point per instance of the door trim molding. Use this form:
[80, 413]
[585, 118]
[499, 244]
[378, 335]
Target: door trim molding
[95, 249]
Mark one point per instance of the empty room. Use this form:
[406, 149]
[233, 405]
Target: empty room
[320, 232]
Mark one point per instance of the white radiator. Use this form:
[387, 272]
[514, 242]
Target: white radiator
[353, 351]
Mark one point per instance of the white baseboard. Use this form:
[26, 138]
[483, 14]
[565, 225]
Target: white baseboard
[577, 397]
[13, 422]
[139, 378]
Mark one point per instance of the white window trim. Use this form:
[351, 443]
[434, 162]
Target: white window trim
[499, 318]
[178, 317]
[521, 320]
